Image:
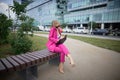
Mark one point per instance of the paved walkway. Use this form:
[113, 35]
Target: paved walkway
[92, 63]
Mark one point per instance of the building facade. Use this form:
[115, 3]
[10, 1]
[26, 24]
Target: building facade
[5, 8]
[44, 11]
[76, 13]
[106, 13]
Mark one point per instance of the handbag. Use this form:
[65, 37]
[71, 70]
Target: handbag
[61, 41]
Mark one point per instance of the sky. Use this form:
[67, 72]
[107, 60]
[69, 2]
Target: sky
[4, 7]
[10, 2]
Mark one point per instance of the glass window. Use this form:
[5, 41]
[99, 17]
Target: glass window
[86, 18]
[67, 20]
[74, 19]
[117, 3]
[69, 6]
[71, 19]
[110, 16]
[119, 15]
[81, 18]
[115, 15]
[39, 9]
[97, 17]
[105, 16]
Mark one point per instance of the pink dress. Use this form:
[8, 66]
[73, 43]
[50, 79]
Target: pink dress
[51, 44]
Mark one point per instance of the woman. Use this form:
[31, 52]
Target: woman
[54, 36]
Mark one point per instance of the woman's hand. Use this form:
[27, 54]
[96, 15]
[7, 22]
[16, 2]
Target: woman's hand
[62, 36]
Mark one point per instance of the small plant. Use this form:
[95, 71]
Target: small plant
[21, 44]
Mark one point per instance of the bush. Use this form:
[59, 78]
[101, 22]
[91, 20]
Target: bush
[21, 44]
[5, 23]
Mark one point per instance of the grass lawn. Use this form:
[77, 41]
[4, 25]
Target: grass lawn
[5, 50]
[39, 43]
[104, 43]
[41, 32]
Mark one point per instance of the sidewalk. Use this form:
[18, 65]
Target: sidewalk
[92, 63]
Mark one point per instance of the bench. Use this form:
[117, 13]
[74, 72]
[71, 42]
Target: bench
[27, 64]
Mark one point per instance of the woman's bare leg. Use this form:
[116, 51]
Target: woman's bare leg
[61, 67]
[71, 59]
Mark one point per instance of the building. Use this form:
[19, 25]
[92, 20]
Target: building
[44, 11]
[5, 9]
[76, 13]
[106, 13]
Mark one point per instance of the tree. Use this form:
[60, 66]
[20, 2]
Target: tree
[18, 9]
[64, 25]
[26, 26]
[36, 28]
[5, 24]
[94, 25]
[21, 42]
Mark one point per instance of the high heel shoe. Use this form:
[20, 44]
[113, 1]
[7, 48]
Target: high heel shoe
[61, 71]
[73, 64]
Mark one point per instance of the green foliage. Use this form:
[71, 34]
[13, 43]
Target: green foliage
[22, 17]
[94, 24]
[18, 8]
[38, 43]
[26, 27]
[27, 24]
[5, 23]
[36, 29]
[21, 44]
[63, 25]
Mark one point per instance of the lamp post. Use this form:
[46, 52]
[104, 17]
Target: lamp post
[9, 11]
[91, 27]
[91, 22]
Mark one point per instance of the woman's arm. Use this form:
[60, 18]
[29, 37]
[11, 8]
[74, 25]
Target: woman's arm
[51, 37]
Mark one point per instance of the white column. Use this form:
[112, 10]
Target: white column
[102, 26]
[81, 25]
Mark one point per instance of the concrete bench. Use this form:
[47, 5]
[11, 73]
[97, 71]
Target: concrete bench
[27, 63]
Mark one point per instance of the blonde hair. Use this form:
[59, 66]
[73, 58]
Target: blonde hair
[55, 23]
